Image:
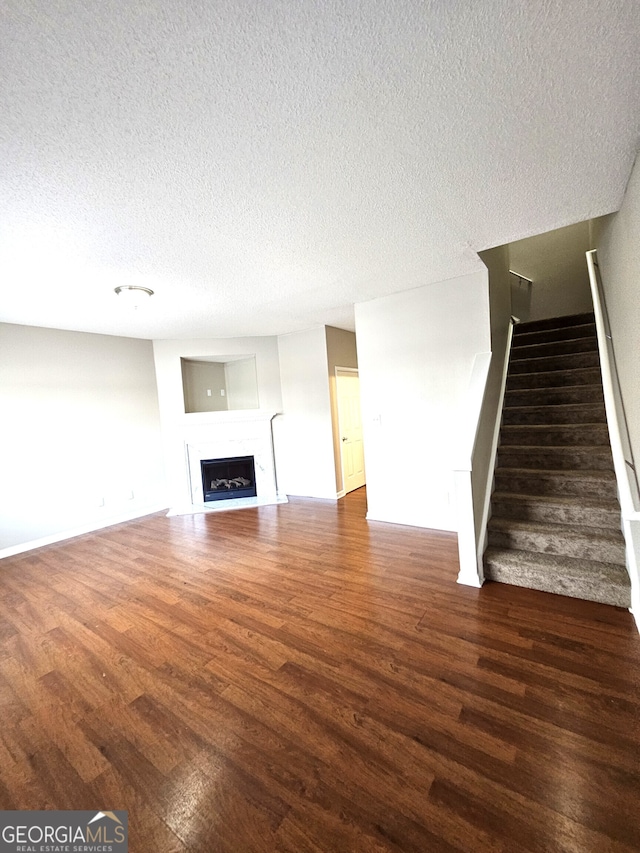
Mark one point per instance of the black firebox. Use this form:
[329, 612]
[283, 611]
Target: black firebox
[227, 479]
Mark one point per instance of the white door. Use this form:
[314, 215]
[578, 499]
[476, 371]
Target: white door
[350, 425]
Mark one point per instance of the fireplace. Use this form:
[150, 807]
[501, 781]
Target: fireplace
[226, 436]
[229, 478]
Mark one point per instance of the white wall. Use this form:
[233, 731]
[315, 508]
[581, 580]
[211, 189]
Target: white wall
[556, 263]
[177, 427]
[304, 435]
[415, 353]
[80, 425]
[341, 352]
[242, 388]
[617, 240]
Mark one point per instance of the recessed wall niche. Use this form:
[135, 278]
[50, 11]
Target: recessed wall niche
[219, 383]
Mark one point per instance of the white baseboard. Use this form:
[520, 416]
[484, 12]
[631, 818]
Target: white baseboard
[80, 531]
[440, 528]
[332, 497]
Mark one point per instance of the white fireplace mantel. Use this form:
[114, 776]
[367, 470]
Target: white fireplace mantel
[220, 435]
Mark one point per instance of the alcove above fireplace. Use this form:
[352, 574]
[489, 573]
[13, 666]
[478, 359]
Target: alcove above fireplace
[229, 478]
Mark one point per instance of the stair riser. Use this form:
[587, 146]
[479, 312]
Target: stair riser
[588, 413]
[555, 484]
[583, 547]
[573, 587]
[554, 379]
[526, 336]
[558, 436]
[554, 348]
[555, 362]
[555, 396]
[563, 459]
[556, 514]
[558, 323]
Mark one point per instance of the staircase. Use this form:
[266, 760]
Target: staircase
[555, 516]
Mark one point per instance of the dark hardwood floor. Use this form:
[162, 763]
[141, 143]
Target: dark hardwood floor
[294, 679]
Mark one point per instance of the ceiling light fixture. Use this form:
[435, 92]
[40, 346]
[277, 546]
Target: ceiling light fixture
[133, 293]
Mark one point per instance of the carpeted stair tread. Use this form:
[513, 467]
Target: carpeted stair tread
[554, 378]
[587, 476]
[557, 509]
[548, 348]
[576, 577]
[525, 335]
[559, 500]
[587, 393]
[554, 434]
[571, 540]
[558, 503]
[550, 482]
[582, 474]
[560, 413]
[606, 533]
[558, 323]
[567, 458]
[560, 458]
[564, 361]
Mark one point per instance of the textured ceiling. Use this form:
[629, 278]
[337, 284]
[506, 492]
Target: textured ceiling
[264, 164]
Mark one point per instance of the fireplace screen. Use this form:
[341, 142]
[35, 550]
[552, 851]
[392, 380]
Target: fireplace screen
[226, 479]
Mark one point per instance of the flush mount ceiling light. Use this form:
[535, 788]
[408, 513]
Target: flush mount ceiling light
[133, 293]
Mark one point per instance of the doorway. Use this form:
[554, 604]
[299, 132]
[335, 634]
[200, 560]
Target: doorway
[350, 427]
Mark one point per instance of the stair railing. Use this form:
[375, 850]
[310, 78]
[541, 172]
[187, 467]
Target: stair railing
[623, 462]
[522, 279]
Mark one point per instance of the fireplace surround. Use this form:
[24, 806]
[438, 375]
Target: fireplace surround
[225, 435]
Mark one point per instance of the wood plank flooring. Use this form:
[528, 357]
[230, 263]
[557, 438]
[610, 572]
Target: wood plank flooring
[294, 679]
